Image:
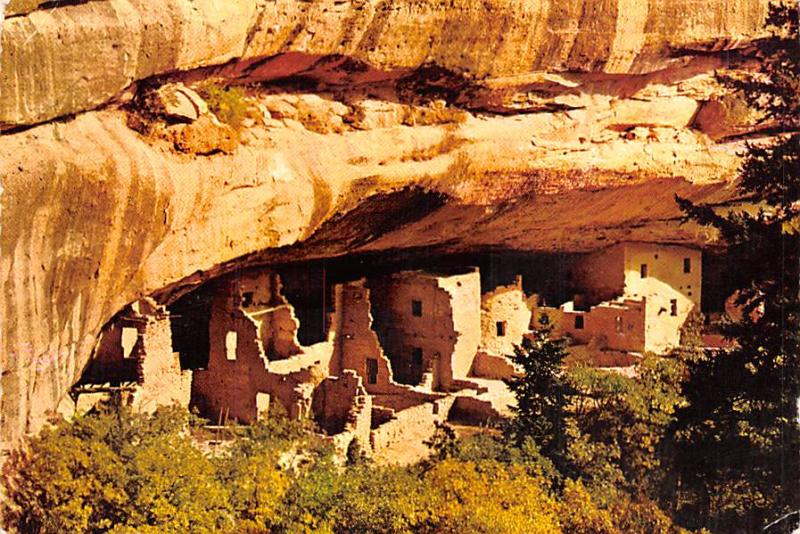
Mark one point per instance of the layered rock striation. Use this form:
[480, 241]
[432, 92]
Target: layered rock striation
[355, 127]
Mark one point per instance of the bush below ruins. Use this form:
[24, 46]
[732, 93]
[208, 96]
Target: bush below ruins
[116, 471]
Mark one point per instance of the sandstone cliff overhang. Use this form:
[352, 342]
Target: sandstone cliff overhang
[57, 62]
[575, 128]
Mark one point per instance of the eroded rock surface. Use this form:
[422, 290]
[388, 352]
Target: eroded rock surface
[56, 62]
[365, 127]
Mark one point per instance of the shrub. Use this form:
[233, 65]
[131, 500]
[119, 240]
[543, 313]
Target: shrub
[229, 104]
[114, 471]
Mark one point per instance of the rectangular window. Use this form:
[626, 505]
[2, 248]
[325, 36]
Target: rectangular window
[687, 265]
[247, 299]
[643, 270]
[372, 371]
[579, 322]
[230, 345]
[673, 307]
[130, 336]
[416, 308]
[618, 324]
[501, 328]
[416, 356]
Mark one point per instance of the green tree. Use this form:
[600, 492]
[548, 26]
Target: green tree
[542, 392]
[114, 471]
[738, 436]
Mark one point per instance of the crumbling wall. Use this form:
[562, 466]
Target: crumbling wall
[342, 406]
[277, 330]
[505, 319]
[137, 348]
[258, 293]
[393, 440]
[161, 380]
[239, 372]
[428, 323]
[356, 344]
[110, 363]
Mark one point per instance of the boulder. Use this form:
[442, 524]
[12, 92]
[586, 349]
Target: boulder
[206, 136]
[177, 102]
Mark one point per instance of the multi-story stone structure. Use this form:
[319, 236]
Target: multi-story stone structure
[396, 353]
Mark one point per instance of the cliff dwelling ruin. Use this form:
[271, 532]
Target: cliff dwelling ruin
[383, 357]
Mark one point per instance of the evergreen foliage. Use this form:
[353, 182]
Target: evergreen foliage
[542, 392]
[738, 436]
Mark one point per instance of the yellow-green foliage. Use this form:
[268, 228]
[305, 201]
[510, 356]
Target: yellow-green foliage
[114, 471]
[229, 104]
[581, 515]
[470, 497]
[125, 473]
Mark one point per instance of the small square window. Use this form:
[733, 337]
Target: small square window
[643, 270]
[372, 371]
[416, 356]
[247, 299]
[673, 307]
[687, 265]
[579, 322]
[416, 308]
[501, 328]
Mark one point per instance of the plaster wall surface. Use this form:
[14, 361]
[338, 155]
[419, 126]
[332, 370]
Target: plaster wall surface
[670, 292]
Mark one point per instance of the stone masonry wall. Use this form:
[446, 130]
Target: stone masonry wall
[506, 305]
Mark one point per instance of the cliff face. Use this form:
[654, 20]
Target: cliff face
[365, 127]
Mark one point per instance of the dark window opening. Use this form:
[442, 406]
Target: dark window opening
[579, 322]
[416, 356]
[247, 299]
[673, 307]
[189, 320]
[687, 265]
[643, 270]
[416, 308]
[372, 371]
[501, 328]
